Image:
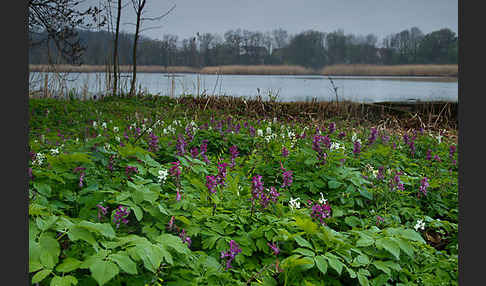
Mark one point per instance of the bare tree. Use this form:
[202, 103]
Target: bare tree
[138, 6]
[57, 21]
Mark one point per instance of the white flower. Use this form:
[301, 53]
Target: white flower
[143, 126]
[336, 145]
[103, 125]
[162, 175]
[260, 132]
[353, 138]
[291, 134]
[322, 200]
[115, 129]
[39, 159]
[107, 146]
[94, 124]
[294, 204]
[269, 130]
[419, 225]
[54, 151]
[117, 138]
[149, 130]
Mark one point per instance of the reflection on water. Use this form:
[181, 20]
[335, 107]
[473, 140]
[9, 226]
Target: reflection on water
[287, 88]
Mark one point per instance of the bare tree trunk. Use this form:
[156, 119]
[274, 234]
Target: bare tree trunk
[115, 51]
[138, 10]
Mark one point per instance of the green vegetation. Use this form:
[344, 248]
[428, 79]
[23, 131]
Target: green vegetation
[148, 191]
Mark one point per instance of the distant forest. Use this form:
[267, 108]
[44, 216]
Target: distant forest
[312, 49]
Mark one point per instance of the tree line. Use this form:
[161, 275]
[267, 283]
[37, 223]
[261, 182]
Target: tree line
[313, 49]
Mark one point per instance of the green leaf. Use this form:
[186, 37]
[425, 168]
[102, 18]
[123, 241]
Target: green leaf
[362, 259]
[103, 271]
[67, 280]
[47, 259]
[405, 247]
[352, 221]
[173, 242]
[69, 264]
[380, 265]
[39, 276]
[334, 184]
[45, 224]
[365, 241]
[43, 189]
[412, 235]
[390, 245]
[104, 229]
[365, 193]
[302, 242]
[34, 266]
[78, 233]
[305, 252]
[363, 280]
[334, 262]
[125, 263]
[321, 263]
[306, 224]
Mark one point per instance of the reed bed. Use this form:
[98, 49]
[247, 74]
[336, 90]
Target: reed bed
[335, 70]
[258, 70]
[396, 70]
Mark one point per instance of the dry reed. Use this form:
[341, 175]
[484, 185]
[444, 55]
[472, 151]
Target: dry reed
[396, 70]
[335, 70]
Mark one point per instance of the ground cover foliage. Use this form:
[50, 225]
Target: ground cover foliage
[144, 192]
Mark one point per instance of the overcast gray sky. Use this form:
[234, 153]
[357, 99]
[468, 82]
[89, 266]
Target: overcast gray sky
[380, 17]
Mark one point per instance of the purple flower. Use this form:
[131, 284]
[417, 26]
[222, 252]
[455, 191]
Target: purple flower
[203, 150]
[452, 150]
[437, 158]
[81, 178]
[405, 138]
[170, 226]
[120, 216]
[221, 173]
[412, 147]
[230, 255]
[178, 195]
[274, 194]
[153, 143]
[285, 152]
[211, 183]
[373, 135]
[234, 153]
[342, 135]
[129, 170]
[181, 145]
[257, 187]
[194, 152]
[429, 155]
[185, 238]
[320, 211]
[379, 220]
[424, 184]
[174, 170]
[380, 175]
[274, 248]
[332, 127]
[357, 147]
[287, 179]
[101, 211]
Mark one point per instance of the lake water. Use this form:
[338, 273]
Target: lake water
[286, 87]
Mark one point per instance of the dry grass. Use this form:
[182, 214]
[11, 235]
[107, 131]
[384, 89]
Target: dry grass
[258, 70]
[398, 70]
[335, 70]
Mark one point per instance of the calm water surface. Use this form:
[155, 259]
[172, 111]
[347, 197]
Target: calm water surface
[288, 88]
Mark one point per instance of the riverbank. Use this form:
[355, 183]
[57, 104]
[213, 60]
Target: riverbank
[334, 70]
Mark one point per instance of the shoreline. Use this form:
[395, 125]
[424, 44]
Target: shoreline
[445, 71]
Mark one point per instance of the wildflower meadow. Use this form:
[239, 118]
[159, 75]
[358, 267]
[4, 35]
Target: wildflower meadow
[143, 192]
